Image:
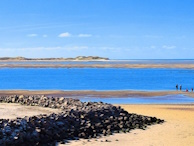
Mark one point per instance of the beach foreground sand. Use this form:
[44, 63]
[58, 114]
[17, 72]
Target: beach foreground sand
[13, 110]
[178, 130]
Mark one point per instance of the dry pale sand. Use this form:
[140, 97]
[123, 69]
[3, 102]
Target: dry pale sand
[188, 66]
[91, 93]
[178, 130]
[12, 110]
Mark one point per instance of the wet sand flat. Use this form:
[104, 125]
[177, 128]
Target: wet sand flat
[92, 93]
[15, 65]
[178, 130]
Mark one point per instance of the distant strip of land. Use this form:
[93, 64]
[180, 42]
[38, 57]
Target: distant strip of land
[34, 65]
[91, 93]
[15, 62]
[78, 58]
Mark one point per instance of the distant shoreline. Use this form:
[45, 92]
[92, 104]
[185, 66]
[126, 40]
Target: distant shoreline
[78, 58]
[93, 93]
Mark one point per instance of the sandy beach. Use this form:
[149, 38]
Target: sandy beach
[96, 73]
[177, 130]
[15, 65]
[13, 110]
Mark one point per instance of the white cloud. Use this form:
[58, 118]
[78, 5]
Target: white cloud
[32, 35]
[168, 47]
[44, 36]
[84, 35]
[65, 34]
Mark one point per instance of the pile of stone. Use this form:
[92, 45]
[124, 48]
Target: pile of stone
[43, 101]
[76, 120]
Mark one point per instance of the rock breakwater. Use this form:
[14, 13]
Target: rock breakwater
[76, 120]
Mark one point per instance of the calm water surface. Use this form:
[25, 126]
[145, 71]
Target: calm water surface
[95, 79]
[169, 99]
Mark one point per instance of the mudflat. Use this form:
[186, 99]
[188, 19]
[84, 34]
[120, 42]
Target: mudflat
[177, 130]
[92, 93]
[34, 65]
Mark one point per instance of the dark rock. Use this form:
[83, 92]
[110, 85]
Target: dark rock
[77, 120]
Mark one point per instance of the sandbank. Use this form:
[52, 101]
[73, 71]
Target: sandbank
[34, 65]
[95, 93]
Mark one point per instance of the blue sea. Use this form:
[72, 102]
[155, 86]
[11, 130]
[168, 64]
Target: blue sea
[102, 79]
[95, 79]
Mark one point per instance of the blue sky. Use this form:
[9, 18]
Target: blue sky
[118, 29]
